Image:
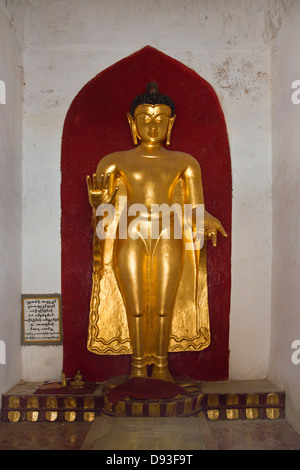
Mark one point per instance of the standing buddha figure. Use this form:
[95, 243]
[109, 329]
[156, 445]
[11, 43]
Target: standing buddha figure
[140, 303]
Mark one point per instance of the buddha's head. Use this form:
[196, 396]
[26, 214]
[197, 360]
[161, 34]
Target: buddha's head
[151, 117]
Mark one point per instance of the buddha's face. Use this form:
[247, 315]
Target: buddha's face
[152, 122]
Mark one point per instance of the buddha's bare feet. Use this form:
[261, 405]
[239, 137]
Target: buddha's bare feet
[162, 373]
[138, 368]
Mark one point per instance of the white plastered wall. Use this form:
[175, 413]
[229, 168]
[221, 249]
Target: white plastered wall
[286, 211]
[227, 43]
[11, 104]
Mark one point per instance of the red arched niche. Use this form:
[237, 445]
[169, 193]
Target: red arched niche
[96, 125]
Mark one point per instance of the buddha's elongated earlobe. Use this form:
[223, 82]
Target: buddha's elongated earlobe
[132, 126]
[170, 126]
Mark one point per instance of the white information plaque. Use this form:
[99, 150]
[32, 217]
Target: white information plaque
[41, 319]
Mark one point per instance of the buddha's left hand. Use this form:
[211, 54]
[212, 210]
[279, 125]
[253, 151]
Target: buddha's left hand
[211, 228]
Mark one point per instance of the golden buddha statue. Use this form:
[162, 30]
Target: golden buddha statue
[149, 294]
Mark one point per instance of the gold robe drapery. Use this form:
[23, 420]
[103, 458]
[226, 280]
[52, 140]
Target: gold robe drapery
[108, 329]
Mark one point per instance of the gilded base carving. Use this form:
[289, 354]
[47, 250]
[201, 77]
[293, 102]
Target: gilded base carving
[182, 405]
[85, 407]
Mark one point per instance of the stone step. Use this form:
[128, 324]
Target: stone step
[231, 400]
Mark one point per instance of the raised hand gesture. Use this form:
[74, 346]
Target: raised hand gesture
[100, 192]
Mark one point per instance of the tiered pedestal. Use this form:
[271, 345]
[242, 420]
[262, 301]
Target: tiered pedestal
[217, 400]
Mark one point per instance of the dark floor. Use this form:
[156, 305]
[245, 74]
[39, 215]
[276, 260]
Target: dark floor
[118, 433]
[254, 435]
[224, 435]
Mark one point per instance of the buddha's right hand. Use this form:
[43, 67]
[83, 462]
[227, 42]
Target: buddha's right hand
[100, 192]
